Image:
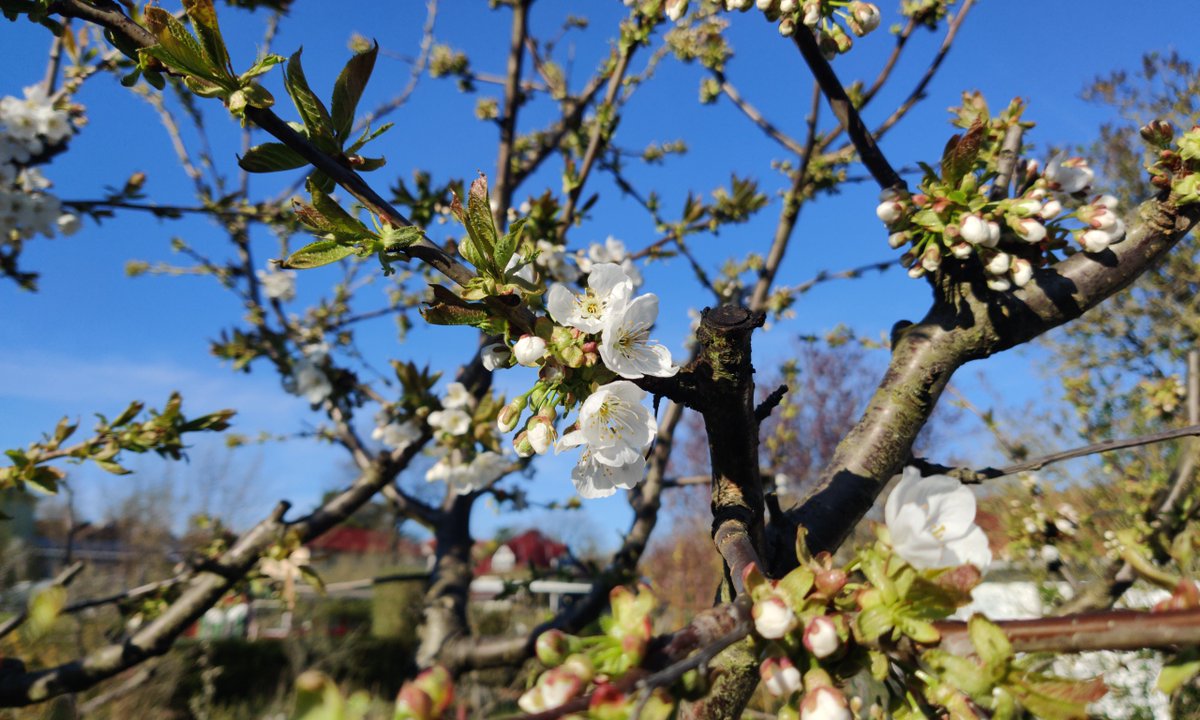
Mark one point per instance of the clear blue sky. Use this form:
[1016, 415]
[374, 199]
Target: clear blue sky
[91, 340]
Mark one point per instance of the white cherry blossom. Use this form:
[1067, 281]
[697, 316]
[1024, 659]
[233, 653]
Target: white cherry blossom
[626, 347]
[529, 350]
[595, 479]
[278, 284]
[608, 286]
[396, 435]
[932, 523]
[614, 425]
[457, 396]
[310, 381]
[451, 421]
[495, 356]
[1070, 175]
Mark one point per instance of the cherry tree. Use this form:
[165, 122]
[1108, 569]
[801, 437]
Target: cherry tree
[1009, 246]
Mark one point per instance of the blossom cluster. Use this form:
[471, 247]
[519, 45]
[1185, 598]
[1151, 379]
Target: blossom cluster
[821, 17]
[820, 616]
[597, 332]
[29, 127]
[577, 664]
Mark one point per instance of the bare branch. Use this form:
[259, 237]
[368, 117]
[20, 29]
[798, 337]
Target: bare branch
[968, 475]
[878, 165]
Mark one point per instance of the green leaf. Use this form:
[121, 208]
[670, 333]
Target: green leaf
[270, 157]
[348, 90]
[478, 221]
[990, 642]
[261, 66]
[962, 673]
[204, 19]
[1056, 698]
[45, 478]
[369, 135]
[110, 466]
[343, 224]
[180, 45]
[312, 110]
[44, 608]
[509, 243]
[321, 252]
[1179, 670]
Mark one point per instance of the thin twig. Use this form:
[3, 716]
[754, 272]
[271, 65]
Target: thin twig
[62, 579]
[756, 116]
[968, 475]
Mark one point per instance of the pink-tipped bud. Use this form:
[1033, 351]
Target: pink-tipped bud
[830, 582]
[821, 637]
[973, 229]
[825, 703]
[552, 647]
[773, 618]
[780, 677]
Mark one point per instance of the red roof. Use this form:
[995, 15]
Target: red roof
[530, 549]
[360, 541]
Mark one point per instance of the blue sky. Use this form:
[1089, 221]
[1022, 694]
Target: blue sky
[91, 339]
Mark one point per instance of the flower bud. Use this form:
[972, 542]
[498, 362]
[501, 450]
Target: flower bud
[961, 250]
[865, 17]
[889, 211]
[1050, 210]
[993, 238]
[1095, 241]
[1022, 272]
[973, 229]
[931, 259]
[1031, 231]
[787, 27]
[773, 618]
[788, 6]
[898, 239]
[780, 677]
[552, 647]
[495, 356]
[766, 5]
[1158, 132]
[413, 704]
[508, 417]
[830, 582]
[821, 637]
[999, 264]
[551, 374]
[825, 703]
[529, 350]
[812, 13]
[541, 435]
[522, 445]
[998, 284]
[676, 9]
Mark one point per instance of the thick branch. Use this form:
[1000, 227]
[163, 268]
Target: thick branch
[1113, 630]
[967, 323]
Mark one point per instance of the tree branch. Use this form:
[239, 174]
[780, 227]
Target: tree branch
[967, 322]
[970, 476]
[878, 165]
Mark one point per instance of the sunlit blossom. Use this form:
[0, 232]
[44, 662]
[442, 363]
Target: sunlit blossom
[932, 523]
